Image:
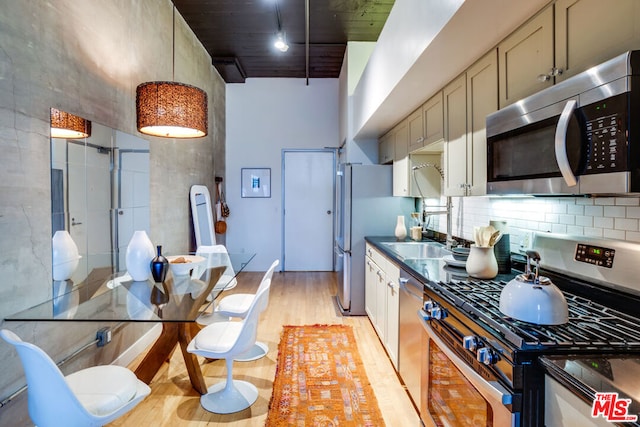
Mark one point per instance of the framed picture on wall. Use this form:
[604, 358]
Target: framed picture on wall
[256, 182]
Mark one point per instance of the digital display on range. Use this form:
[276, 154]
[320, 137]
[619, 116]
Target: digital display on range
[596, 255]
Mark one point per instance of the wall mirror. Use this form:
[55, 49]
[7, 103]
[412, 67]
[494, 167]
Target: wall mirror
[100, 196]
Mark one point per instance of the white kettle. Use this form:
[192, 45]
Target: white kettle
[534, 299]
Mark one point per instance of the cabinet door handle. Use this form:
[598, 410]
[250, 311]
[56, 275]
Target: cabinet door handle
[544, 77]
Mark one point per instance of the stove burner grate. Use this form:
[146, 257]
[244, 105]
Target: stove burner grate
[590, 324]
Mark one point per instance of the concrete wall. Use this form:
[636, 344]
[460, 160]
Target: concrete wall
[264, 117]
[87, 57]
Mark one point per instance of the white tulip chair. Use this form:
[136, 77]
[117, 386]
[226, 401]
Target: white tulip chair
[226, 340]
[90, 397]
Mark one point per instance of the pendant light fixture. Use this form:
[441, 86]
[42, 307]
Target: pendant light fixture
[69, 126]
[170, 109]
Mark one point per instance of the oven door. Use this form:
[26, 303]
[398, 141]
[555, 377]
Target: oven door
[453, 394]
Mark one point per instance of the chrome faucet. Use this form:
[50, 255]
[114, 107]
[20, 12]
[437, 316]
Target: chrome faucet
[450, 241]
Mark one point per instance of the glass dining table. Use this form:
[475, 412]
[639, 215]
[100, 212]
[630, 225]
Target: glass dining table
[176, 303]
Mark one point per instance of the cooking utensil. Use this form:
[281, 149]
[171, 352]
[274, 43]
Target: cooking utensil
[495, 237]
[533, 298]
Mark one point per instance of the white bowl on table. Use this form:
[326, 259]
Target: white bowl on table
[183, 268]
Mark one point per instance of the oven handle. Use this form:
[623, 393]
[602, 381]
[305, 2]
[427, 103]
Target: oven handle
[561, 143]
[489, 389]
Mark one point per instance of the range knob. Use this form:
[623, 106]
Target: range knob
[486, 356]
[470, 342]
[438, 313]
[433, 310]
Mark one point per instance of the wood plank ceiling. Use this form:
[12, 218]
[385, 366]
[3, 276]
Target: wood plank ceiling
[239, 34]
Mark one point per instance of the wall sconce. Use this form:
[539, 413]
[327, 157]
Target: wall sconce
[170, 109]
[69, 126]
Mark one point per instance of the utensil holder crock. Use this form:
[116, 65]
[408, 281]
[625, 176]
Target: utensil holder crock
[482, 263]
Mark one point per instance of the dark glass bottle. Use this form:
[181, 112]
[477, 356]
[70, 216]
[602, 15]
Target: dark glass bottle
[159, 266]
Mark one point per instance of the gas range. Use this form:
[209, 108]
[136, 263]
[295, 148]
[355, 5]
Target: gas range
[466, 315]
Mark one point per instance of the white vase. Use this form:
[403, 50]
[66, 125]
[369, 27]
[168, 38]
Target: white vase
[482, 263]
[139, 255]
[65, 256]
[401, 230]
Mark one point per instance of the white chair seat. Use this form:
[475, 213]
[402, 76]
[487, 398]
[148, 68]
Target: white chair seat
[235, 305]
[103, 389]
[218, 337]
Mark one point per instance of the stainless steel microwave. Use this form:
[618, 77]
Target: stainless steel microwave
[578, 137]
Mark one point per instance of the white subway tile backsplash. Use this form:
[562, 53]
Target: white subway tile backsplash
[616, 234]
[575, 230]
[627, 201]
[607, 217]
[625, 224]
[615, 211]
[603, 222]
[584, 221]
[575, 209]
[605, 201]
[593, 210]
[593, 232]
[567, 219]
[553, 218]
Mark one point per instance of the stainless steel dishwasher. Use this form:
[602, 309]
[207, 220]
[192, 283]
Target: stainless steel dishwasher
[410, 334]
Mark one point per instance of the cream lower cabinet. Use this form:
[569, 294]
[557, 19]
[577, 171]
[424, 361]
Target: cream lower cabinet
[382, 299]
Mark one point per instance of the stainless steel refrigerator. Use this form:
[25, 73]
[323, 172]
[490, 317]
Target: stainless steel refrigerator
[365, 207]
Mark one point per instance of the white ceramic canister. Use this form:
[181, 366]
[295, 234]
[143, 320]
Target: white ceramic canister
[140, 252]
[482, 263]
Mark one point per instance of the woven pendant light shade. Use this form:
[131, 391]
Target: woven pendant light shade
[67, 125]
[171, 110]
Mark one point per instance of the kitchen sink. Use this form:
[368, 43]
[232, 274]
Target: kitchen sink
[417, 250]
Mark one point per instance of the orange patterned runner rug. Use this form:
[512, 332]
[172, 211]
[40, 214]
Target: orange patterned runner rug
[320, 380]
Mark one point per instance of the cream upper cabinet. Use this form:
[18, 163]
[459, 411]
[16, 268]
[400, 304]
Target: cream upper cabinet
[467, 102]
[482, 99]
[455, 136]
[416, 130]
[525, 59]
[424, 181]
[401, 136]
[386, 148]
[588, 32]
[433, 116]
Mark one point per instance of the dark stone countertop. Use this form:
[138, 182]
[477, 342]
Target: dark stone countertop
[428, 269]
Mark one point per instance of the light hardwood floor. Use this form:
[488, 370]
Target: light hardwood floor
[295, 299]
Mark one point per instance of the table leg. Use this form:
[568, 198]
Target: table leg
[187, 332]
[159, 352]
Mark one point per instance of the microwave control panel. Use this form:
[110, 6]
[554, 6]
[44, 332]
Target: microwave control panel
[596, 255]
[606, 132]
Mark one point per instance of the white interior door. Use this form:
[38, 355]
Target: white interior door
[308, 199]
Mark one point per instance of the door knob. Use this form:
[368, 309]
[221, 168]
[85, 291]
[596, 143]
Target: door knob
[328, 212]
